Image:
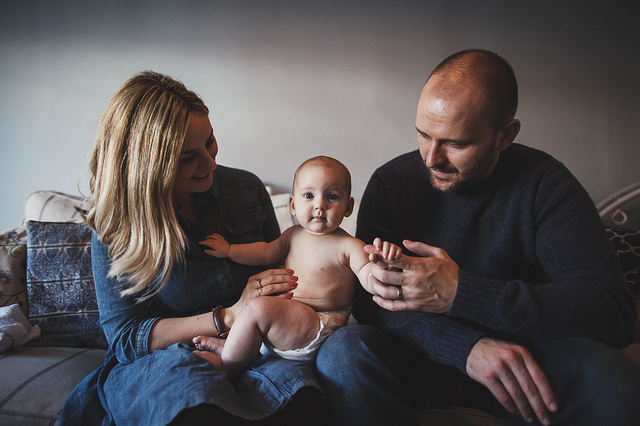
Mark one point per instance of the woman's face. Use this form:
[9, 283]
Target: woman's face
[198, 158]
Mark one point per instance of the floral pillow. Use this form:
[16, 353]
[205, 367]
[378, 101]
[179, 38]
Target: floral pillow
[62, 297]
[13, 268]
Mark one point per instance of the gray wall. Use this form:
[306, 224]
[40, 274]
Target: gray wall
[286, 80]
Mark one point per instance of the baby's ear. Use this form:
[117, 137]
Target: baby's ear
[349, 210]
[292, 206]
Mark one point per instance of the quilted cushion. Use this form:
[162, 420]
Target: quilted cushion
[62, 297]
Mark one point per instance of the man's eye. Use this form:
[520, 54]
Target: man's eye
[456, 145]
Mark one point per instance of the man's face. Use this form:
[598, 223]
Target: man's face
[456, 137]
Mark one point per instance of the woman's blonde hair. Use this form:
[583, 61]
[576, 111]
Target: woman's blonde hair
[133, 168]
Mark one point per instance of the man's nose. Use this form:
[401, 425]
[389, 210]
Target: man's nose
[435, 155]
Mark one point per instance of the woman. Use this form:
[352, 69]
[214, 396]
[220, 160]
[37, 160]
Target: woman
[156, 191]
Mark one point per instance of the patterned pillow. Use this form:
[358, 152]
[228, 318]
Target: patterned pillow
[13, 268]
[626, 244]
[62, 295]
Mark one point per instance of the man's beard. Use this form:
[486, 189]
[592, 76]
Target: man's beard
[462, 179]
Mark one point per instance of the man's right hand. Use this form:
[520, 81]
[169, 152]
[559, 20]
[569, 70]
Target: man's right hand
[513, 377]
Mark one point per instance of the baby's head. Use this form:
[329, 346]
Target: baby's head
[321, 196]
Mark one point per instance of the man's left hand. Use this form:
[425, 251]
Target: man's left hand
[427, 283]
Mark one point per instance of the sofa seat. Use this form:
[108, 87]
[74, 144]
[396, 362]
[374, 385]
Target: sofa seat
[37, 380]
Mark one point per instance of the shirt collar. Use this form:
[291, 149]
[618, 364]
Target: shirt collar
[214, 189]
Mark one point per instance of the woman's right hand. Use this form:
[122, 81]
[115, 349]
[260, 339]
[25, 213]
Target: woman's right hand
[272, 282]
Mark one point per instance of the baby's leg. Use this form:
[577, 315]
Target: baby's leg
[284, 323]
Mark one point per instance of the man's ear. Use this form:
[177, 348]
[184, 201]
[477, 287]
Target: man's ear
[349, 210]
[292, 206]
[509, 133]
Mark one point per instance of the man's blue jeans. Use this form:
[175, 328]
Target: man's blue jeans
[370, 378]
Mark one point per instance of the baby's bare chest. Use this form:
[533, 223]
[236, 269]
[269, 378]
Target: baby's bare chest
[318, 258]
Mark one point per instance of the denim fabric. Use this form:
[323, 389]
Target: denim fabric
[371, 378]
[138, 387]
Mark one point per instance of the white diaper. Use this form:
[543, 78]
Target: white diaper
[330, 321]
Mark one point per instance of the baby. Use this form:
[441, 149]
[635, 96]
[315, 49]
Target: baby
[326, 260]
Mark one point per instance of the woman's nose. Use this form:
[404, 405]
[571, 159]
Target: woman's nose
[213, 164]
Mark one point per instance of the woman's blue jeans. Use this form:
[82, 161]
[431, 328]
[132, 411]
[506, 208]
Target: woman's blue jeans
[370, 378]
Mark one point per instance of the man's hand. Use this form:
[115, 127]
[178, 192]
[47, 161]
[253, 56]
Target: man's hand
[513, 377]
[427, 283]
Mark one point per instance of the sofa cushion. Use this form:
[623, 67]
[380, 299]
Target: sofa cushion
[62, 297]
[13, 265]
[52, 206]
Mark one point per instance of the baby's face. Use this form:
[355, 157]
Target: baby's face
[321, 199]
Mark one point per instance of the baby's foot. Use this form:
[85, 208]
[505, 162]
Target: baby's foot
[211, 344]
[211, 357]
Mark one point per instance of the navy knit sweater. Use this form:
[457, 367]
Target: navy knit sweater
[535, 263]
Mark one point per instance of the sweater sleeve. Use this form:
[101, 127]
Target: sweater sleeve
[583, 294]
[443, 339]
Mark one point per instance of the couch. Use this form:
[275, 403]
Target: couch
[45, 270]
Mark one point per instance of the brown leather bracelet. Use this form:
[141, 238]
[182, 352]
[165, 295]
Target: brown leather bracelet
[219, 323]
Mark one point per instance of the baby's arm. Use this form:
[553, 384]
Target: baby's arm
[361, 265]
[256, 254]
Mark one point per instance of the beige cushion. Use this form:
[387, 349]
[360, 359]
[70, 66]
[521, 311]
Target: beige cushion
[51, 206]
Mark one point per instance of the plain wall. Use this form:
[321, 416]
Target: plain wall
[287, 80]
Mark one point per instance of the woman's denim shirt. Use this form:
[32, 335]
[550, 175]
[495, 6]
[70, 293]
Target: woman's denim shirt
[236, 206]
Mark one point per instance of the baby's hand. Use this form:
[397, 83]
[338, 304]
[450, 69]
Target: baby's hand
[219, 247]
[388, 250]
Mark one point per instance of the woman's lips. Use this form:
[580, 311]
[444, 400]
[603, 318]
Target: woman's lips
[201, 178]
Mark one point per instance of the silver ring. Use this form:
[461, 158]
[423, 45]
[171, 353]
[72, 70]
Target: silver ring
[400, 296]
[260, 282]
[259, 290]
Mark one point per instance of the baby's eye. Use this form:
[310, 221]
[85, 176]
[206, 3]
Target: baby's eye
[332, 197]
[307, 195]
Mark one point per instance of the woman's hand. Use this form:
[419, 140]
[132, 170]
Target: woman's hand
[272, 282]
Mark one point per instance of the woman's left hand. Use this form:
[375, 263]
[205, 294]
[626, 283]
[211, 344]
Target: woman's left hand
[272, 282]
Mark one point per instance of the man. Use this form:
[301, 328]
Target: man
[512, 301]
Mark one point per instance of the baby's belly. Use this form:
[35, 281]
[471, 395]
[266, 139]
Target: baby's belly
[324, 301]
